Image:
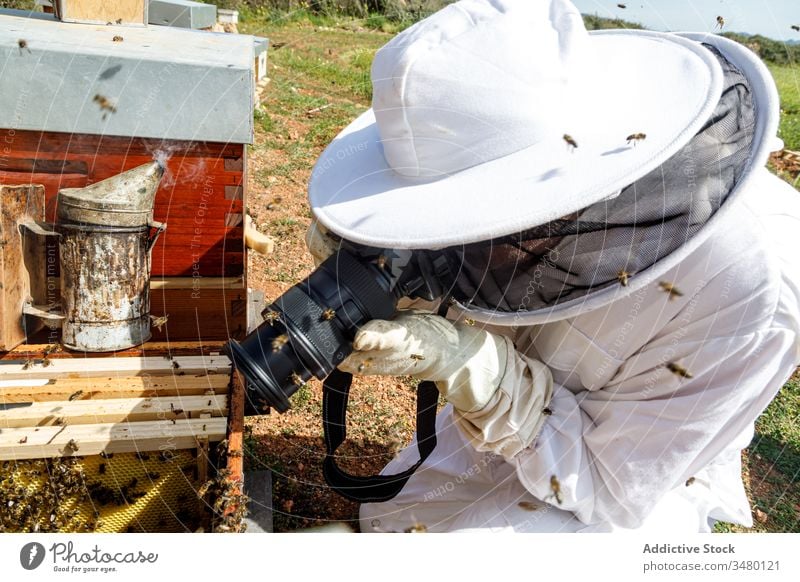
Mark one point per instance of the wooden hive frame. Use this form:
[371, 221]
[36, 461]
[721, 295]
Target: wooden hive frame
[153, 399]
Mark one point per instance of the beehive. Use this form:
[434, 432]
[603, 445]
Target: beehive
[82, 107]
[138, 431]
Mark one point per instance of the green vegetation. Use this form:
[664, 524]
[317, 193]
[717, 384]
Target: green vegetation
[787, 77]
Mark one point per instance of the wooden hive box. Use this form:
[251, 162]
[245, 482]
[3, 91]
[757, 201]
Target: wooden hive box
[85, 108]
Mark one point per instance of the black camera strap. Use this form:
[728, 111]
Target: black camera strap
[335, 392]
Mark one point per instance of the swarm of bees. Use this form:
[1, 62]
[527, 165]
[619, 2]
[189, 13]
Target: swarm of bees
[679, 370]
[228, 504]
[720, 22]
[670, 288]
[41, 506]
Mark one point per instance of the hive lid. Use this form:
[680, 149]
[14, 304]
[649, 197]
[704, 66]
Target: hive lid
[155, 82]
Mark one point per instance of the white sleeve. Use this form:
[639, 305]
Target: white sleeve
[617, 451]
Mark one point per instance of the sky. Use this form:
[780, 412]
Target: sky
[771, 18]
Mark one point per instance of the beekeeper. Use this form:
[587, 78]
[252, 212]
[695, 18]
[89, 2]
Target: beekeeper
[627, 303]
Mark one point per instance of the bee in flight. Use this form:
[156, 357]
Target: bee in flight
[636, 138]
[679, 370]
[622, 277]
[571, 143]
[720, 22]
[555, 488]
[670, 288]
[279, 342]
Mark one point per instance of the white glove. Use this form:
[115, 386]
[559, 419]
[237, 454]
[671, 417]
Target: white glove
[466, 363]
[499, 395]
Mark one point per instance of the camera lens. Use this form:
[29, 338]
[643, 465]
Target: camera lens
[309, 330]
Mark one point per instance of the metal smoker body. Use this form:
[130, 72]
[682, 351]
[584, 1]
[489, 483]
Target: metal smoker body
[106, 235]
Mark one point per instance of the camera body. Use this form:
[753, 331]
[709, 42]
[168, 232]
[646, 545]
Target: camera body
[309, 330]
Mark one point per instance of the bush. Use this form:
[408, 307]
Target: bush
[18, 4]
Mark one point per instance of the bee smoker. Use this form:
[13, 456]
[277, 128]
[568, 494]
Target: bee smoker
[106, 232]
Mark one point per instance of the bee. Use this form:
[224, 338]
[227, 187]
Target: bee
[27, 364]
[279, 342]
[328, 314]
[142, 456]
[670, 288]
[547, 411]
[297, 380]
[468, 321]
[689, 481]
[23, 440]
[622, 277]
[796, 28]
[271, 316]
[175, 364]
[106, 106]
[158, 322]
[528, 505]
[364, 365]
[417, 528]
[720, 22]
[571, 143]
[106, 455]
[101, 468]
[636, 138]
[555, 487]
[75, 395]
[274, 205]
[381, 262]
[418, 357]
[679, 370]
[71, 447]
[46, 362]
[623, 6]
[117, 38]
[23, 44]
[118, 21]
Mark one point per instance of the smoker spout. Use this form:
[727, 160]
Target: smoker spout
[123, 200]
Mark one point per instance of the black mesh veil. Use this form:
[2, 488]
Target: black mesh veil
[602, 244]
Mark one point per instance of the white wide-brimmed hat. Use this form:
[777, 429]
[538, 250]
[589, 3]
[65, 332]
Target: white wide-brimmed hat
[494, 116]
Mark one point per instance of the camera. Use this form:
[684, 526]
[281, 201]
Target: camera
[309, 330]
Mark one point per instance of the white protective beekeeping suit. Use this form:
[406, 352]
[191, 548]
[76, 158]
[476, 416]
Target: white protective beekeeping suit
[629, 261]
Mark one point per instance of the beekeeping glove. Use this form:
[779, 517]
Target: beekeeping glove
[499, 395]
[320, 243]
